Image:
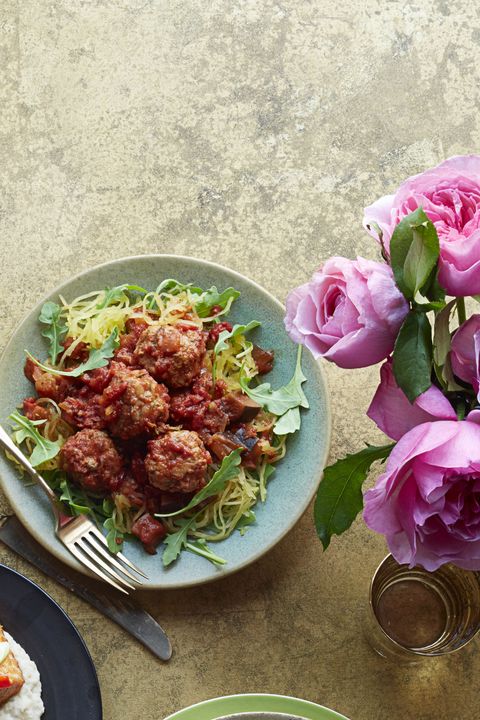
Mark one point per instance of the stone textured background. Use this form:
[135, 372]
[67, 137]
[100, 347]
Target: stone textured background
[251, 132]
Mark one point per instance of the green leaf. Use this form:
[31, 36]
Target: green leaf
[176, 542]
[114, 537]
[414, 252]
[432, 288]
[248, 518]
[67, 497]
[237, 330]
[441, 333]
[115, 294]
[441, 348]
[289, 422]
[174, 287]
[200, 547]
[97, 358]
[211, 298]
[226, 471]
[50, 315]
[413, 355]
[339, 498]
[285, 398]
[44, 449]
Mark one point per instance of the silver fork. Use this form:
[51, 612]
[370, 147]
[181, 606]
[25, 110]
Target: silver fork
[80, 535]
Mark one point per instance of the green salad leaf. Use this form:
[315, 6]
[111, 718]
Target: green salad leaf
[55, 330]
[97, 358]
[201, 547]
[115, 294]
[281, 401]
[226, 471]
[176, 542]
[339, 498]
[114, 537]
[237, 330]
[212, 298]
[24, 428]
[173, 287]
[289, 422]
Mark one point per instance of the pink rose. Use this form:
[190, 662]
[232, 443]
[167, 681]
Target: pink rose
[395, 415]
[427, 502]
[450, 196]
[349, 313]
[465, 352]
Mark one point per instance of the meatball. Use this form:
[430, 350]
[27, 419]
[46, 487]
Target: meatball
[134, 402]
[84, 411]
[91, 460]
[177, 462]
[196, 413]
[171, 355]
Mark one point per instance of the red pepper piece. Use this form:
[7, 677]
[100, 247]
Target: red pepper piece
[5, 681]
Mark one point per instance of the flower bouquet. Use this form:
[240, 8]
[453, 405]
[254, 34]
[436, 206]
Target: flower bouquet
[410, 312]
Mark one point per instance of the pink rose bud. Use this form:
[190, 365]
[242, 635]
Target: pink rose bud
[465, 352]
[426, 501]
[395, 415]
[450, 196]
[349, 313]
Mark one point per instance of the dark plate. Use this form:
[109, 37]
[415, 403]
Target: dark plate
[35, 621]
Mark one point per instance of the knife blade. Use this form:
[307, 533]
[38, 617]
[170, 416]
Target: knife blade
[125, 612]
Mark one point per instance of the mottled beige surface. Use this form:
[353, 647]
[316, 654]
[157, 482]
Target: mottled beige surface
[251, 132]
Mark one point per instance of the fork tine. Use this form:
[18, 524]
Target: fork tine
[120, 556]
[88, 550]
[82, 558]
[99, 547]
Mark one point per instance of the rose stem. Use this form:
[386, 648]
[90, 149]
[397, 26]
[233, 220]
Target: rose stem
[462, 316]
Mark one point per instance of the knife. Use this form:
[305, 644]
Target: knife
[125, 612]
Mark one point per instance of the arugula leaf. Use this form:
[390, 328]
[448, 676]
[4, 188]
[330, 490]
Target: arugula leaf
[413, 355]
[339, 497]
[44, 449]
[237, 330]
[264, 477]
[200, 547]
[211, 298]
[72, 501]
[289, 422]
[97, 358]
[50, 315]
[176, 542]
[114, 537]
[114, 294]
[226, 471]
[285, 398]
[173, 287]
[414, 252]
[248, 518]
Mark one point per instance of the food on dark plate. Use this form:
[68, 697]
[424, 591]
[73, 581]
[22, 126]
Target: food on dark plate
[148, 415]
[11, 678]
[20, 686]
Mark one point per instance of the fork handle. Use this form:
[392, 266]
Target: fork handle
[14, 450]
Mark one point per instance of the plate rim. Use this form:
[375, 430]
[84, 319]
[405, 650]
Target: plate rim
[261, 697]
[69, 620]
[70, 561]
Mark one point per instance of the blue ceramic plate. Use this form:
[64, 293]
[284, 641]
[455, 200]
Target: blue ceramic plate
[69, 681]
[256, 707]
[297, 475]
